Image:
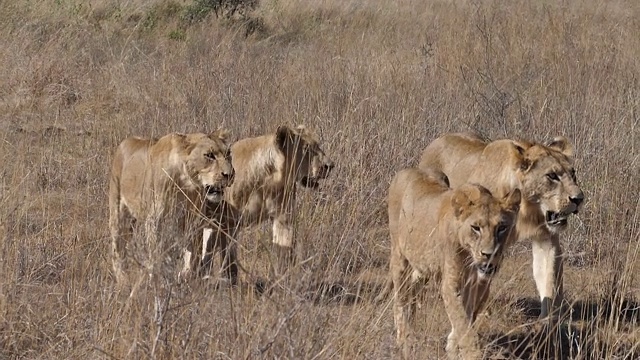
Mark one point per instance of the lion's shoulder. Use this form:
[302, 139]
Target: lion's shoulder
[245, 151]
[256, 158]
[263, 158]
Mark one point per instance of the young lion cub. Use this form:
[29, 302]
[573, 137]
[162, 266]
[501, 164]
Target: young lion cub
[459, 234]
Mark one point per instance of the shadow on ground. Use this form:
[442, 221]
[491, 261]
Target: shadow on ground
[569, 342]
[342, 292]
[325, 292]
[626, 310]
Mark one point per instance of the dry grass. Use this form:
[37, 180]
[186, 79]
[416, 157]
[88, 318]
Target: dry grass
[378, 80]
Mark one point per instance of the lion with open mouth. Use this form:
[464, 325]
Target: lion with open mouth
[170, 178]
[459, 235]
[546, 176]
[269, 169]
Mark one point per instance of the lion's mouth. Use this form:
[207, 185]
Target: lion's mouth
[556, 219]
[213, 192]
[486, 269]
[309, 182]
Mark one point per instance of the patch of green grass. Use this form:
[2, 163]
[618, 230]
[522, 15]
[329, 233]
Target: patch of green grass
[159, 13]
[200, 9]
[178, 35]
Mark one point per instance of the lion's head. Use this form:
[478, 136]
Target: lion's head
[208, 163]
[484, 225]
[548, 178]
[304, 157]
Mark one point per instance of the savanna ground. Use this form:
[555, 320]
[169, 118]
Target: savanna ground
[378, 80]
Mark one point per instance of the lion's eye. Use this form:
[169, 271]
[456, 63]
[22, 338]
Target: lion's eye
[553, 176]
[475, 228]
[573, 174]
[210, 156]
[501, 229]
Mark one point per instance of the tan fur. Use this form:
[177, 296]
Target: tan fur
[269, 169]
[459, 235]
[546, 177]
[154, 180]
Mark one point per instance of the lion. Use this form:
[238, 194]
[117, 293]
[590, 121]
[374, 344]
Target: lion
[545, 175]
[269, 169]
[456, 235]
[170, 178]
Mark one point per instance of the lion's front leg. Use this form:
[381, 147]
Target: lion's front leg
[463, 337]
[156, 245]
[223, 241]
[189, 226]
[220, 235]
[229, 256]
[161, 280]
[206, 261]
[154, 265]
[118, 217]
[547, 272]
[481, 290]
[187, 266]
[474, 295]
[399, 269]
[284, 242]
[151, 227]
[281, 208]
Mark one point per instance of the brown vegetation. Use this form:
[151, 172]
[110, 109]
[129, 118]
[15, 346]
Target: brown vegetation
[378, 80]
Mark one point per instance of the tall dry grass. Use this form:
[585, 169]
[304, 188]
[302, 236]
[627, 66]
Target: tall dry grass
[378, 80]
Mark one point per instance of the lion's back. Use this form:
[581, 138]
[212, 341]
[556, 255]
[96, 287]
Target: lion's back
[415, 199]
[455, 154]
[251, 156]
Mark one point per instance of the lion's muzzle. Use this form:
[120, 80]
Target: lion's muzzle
[559, 219]
[228, 177]
[486, 269]
[312, 181]
[214, 193]
[489, 265]
[556, 219]
[576, 201]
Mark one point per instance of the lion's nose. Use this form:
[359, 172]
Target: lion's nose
[229, 175]
[487, 254]
[578, 199]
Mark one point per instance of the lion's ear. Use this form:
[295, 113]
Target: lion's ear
[519, 148]
[222, 134]
[512, 200]
[561, 144]
[459, 201]
[283, 134]
[524, 163]
[185, 140]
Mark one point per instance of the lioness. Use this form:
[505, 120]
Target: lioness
[156, 179]
[267, 169]
[457, 235]
[547, 179]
